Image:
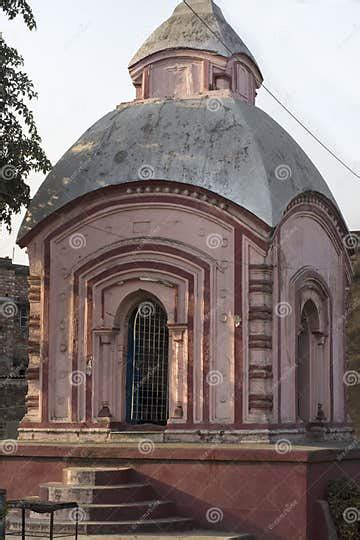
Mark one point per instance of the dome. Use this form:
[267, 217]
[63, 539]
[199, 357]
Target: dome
[184, 30]
[221, 144]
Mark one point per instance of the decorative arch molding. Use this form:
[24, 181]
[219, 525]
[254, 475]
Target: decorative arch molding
[133, 298]
[160, 191]
[317, 207]
[309, 285]
[147, 278]
[319, 200]
[325, 224]
[196, 277]
[172, 283]
[201, 402]
[133, 291]
[109, 385]
[141, 245]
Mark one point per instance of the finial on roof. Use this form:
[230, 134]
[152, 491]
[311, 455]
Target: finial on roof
[200, 6]
[184, 30]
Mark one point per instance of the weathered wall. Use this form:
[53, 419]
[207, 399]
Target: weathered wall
[353, 341]
[13, 344]
[13, 338]
[183, 254]
[312, 265]
[233, 354]
[184, 73]
[12, 405]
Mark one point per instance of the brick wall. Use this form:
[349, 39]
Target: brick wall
[13, 344]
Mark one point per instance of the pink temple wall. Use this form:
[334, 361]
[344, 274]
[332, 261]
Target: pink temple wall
[308, 244]
[179, 74]
[132, 228]
[220, 282]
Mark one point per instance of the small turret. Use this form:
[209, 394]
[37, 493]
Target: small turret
[183, 57]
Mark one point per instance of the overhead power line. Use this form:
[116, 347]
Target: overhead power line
[308, 130]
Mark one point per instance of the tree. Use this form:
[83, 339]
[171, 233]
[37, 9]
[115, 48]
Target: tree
[20, 151]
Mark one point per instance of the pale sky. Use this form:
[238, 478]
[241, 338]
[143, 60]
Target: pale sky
[308, 51]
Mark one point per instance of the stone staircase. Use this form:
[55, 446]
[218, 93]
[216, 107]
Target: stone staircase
[111, 501]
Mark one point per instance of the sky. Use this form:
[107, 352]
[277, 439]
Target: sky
[308, 52]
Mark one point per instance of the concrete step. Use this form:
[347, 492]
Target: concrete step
[41, 526]
[121, 512]
[89, 494]
[112, 500]
[98, 476]
[193, 535]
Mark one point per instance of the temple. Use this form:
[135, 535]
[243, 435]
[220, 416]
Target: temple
[196, 204]
[188, 280]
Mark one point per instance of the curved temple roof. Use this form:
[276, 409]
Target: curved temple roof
[185, 30]
[224, 145]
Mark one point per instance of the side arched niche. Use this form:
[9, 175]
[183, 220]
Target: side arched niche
[313, 350]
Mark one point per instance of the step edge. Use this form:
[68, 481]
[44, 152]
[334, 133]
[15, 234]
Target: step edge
[125, 505]
[61, 485]
[81, 523]
[98, 469]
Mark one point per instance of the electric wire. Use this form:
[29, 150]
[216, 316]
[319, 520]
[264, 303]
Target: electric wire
[308, 130]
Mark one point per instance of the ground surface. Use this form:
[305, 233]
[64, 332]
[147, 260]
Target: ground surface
[194, 535]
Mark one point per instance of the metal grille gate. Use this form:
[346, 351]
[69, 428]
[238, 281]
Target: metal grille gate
[147, 373]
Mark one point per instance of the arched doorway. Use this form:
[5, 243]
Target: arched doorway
[147, 387]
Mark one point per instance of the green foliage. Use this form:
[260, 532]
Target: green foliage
[12, 8]
[343, 496]
[20, 151]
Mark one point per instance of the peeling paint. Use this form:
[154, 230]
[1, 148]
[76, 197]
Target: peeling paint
[82, 147]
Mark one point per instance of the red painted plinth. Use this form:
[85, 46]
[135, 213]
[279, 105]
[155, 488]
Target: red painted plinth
[253, 488]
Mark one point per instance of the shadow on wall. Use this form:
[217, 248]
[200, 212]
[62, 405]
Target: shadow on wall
[352, 376]
[227, 515]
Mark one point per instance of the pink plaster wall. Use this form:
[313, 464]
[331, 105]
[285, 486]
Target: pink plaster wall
[220, 281]
[95, 237]
[309, 244]
[182, 73]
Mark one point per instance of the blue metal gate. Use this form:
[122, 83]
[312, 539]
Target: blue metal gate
[147, 365]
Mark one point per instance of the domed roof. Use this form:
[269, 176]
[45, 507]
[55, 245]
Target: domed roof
[184, 30]
[221, 144]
